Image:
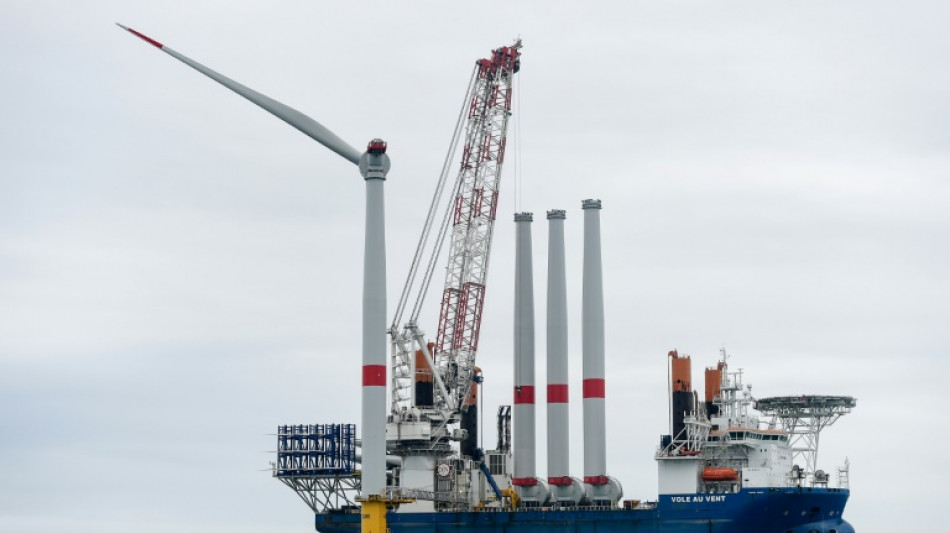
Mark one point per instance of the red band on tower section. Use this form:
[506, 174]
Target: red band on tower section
[147, 39]
[374, 375]
[557, 393]
[594, 388]
[524, 394]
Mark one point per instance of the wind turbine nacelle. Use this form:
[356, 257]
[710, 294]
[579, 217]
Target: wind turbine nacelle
[376, 146]
[374, 163]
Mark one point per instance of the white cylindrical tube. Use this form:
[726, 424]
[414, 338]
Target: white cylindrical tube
[557, 390]
[595, 445]
[373, 415]
[524, 422]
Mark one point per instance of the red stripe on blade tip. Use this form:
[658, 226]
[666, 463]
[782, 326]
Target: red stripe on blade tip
[147, 39]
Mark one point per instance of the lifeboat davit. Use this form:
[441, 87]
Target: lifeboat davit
[720, 473]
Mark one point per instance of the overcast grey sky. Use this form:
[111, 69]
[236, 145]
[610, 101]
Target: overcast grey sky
[180, 271]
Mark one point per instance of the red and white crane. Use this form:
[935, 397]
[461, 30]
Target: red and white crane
[470, 217]
[424, 422]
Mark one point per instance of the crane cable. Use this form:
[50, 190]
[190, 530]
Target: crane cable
[427, 226]
[450, 208]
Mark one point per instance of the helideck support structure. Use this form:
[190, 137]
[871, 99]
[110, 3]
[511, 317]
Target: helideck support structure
[803, 418]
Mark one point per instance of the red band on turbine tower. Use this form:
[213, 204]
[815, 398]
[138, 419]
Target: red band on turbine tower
[594, 388]
[524, 394]
[557, 393]
[374, 375]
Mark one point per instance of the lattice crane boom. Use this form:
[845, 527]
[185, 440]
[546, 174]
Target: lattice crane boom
[476, 204]
[470, 218]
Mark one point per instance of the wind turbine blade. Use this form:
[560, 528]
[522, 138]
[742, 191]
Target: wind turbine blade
[303, 123]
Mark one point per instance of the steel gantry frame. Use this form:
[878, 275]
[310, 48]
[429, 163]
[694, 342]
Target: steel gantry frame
[322, 493]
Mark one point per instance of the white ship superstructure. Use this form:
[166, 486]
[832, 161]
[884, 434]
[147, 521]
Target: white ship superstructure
[722, 446]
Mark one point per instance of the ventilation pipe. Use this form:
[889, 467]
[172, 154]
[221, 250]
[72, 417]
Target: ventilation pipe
[532, 490]
[713, 388]
[600, 487]
[681, 397]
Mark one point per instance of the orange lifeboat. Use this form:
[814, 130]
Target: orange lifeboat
[720, 473]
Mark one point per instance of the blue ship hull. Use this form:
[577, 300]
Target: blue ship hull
[776, 510]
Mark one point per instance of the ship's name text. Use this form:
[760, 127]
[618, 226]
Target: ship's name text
[706, 498]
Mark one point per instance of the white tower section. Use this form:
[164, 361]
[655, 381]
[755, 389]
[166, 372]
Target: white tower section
[373, 166]
[595, 447]
[600, 487]
[564, 488]
[524, 355]
[531, 489]
[558, 448]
